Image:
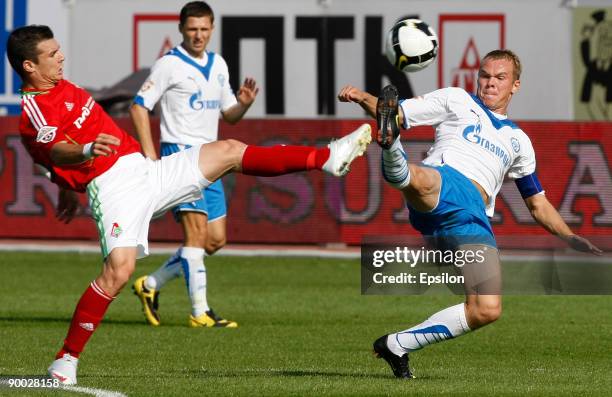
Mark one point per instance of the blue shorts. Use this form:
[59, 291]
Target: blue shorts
[212, 202]
[460, 214]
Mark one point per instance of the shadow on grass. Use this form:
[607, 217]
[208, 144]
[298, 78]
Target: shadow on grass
[280, 373]
[42, 319]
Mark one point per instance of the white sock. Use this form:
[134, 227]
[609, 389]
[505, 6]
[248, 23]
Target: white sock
[168, 271]
[192, 260]
[395, 165]
[445, 324]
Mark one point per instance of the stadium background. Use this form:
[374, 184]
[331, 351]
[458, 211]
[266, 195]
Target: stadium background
[301, 53]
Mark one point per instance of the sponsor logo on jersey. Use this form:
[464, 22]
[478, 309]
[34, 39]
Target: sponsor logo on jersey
[197, 103]
[85, 112]
[69, 106]
[87, 326]
[116, 230]
[46, 134]
[471, 133]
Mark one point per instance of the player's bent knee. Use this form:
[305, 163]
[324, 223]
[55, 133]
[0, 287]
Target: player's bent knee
[218, 158]
[423, 181]
[235, 149]
[488, 313]
[214, 245]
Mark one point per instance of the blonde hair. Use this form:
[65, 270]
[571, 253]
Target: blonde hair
[509, 56]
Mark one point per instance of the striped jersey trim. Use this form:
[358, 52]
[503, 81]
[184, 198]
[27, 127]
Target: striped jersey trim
[96, 211]
[33, 111]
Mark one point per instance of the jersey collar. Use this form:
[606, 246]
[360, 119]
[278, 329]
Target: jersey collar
[33, 91]
[205, 70]
[497, 122]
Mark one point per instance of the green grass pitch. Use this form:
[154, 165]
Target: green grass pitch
[305, 330]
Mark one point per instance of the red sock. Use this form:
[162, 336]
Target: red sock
[280, 159]
[87, 315]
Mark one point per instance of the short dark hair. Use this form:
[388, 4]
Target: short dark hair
[196, 9]
[509, 56]
[22, 44]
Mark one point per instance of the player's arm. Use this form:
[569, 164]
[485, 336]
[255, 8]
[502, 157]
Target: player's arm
[140, 119]
[67, 205]
[246, 96]
[64, 153]
[364, 99]
[549, 218]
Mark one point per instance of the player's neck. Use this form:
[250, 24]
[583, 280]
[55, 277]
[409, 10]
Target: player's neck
[197, 55]
[38, 85]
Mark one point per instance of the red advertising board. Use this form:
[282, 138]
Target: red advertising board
[573, 166]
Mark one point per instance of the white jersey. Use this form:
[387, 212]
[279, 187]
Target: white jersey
[193, 92]
[482, 145]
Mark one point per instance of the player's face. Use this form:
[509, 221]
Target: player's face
[496, 84]
[49, 68]
[196, 34]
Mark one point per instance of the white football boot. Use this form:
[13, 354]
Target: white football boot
[64, 369]
[343, 151]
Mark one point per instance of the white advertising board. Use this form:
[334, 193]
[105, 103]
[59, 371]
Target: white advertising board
[302, 52]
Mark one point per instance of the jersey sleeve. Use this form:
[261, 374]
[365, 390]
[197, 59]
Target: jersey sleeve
[156, 84]
[228, 99]
[41, 127]
[429, 109]
[525, 163]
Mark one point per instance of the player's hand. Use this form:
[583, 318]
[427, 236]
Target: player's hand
[582, 244]
[67, 205]
[104, 145]
[248, 91]
[351, 94]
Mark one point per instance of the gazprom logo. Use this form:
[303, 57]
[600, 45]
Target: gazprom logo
[196, 102]
[471, 133]
[13, 14]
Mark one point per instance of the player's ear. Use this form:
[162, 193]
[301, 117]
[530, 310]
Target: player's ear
[28, 66]
[516, 85]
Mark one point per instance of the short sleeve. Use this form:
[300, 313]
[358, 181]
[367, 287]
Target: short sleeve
[525, 163]
[156, 84]
[429, 109]
[228, 99]
[41, 127]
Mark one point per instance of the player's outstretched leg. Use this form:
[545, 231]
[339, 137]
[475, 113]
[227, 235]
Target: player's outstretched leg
[343, 151]
[335, 159]
[395, 167]
[222, 157]
[387, 116]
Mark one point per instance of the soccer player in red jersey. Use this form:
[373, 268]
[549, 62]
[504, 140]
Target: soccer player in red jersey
[69, 134]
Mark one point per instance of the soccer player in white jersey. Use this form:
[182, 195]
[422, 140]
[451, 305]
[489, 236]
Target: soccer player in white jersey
[453, 193]
[193, 86]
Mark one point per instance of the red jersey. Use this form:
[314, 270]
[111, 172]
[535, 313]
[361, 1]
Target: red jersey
[67, 113]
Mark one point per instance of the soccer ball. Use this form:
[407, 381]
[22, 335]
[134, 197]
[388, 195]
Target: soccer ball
[411, 45]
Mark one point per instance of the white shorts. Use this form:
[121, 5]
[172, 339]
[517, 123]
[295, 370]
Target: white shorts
[125, 198]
